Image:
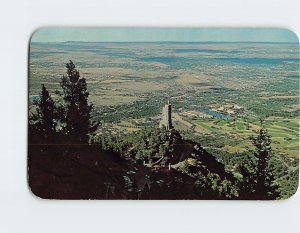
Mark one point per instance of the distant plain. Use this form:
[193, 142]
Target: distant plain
[262, 78]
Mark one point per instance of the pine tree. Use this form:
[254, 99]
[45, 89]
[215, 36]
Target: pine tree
[42, 124]
[263, 189]
[77, 110]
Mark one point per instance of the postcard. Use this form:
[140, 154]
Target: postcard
[163, 113]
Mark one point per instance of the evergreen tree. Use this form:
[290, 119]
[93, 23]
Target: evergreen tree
[247, 186]
[78, 124]
[263, 189]
[42, 124]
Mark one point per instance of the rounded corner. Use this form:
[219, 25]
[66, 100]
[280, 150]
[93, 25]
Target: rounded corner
[33, 193]
[292, 195]
[292, 34]
[33, 33]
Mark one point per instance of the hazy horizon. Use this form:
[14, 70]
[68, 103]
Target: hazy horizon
[218, 35]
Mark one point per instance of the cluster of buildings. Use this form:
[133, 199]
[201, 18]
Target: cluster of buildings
[229, 109]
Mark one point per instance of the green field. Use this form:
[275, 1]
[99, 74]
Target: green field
[284, 132]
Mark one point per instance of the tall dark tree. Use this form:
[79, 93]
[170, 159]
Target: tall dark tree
[42, 124]
[78, 125]
[264, 189]
[247, 186]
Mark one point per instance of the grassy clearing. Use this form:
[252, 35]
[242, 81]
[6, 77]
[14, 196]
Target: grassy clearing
[234, 149]
[291, 143]
[207, 125]
[240, 126]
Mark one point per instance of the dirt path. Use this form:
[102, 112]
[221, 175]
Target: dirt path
[178, 118]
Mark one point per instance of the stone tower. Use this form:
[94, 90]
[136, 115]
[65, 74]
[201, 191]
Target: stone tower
[166, 120]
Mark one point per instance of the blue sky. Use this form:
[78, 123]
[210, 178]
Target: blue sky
[62, 34]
